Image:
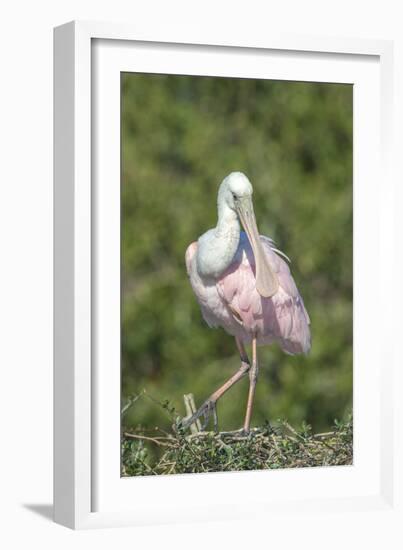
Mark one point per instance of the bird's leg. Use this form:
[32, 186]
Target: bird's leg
[253, 373]
[209, 406]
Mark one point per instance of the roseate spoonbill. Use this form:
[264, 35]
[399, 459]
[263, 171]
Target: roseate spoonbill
[244, 285]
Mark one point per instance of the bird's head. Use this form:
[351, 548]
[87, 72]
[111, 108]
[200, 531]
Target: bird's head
[236, 193]
[235, 187]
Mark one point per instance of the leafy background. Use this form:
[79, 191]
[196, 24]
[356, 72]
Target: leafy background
[181, 136]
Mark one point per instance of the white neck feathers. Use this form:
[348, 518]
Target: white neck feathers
[218, 246]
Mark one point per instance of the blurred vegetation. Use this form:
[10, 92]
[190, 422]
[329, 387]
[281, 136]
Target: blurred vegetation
[181, 136]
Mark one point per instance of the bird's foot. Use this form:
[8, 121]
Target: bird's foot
[241, 433]
[206, 410]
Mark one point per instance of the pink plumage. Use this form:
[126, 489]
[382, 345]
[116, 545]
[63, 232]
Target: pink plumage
[233, 303]
[243, 285]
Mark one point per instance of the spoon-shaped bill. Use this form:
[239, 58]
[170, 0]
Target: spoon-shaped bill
[266, 279]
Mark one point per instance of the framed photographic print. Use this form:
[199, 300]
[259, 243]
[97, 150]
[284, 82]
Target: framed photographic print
[220, 228]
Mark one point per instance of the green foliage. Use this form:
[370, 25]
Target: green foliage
[264, 448]
[180, 136]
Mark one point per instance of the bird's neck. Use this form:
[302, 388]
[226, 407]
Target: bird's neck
[228, 231]
[228, 223]
[218, 248]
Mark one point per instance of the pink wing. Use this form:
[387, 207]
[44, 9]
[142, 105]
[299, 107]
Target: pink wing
[190, 252]
[282, 317]
[234, 303]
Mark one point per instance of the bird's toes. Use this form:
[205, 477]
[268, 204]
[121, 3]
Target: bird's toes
[240, 433]
[206, 410]
[210, 410]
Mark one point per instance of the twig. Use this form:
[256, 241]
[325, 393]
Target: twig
[131, 401]
[155, 440]
[324, 434]
[190, 408]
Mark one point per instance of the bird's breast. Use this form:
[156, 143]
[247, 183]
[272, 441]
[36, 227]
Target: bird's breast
[216, 251]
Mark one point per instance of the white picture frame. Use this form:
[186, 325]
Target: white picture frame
[88, 490]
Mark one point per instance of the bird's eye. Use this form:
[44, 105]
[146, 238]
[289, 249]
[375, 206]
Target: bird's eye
[234, 196]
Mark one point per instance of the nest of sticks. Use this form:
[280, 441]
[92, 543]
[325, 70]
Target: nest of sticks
[267, 447]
